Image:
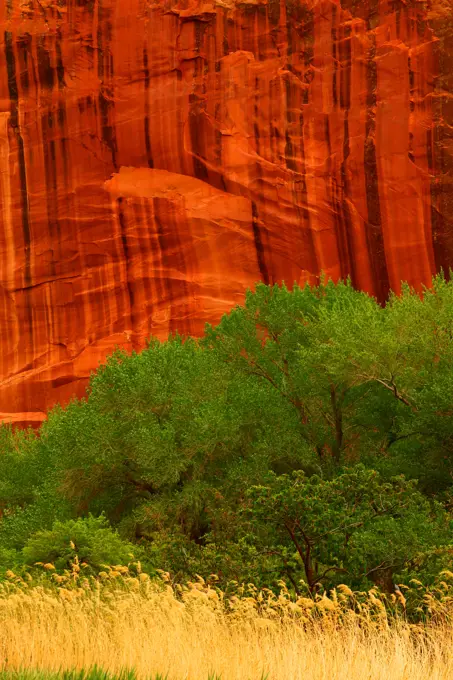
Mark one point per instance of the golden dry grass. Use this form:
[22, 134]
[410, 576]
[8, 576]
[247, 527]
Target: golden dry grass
[121, 622]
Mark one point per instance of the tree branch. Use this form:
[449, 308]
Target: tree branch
[383, 565]
[393, 388]
[337, 569]
[304, 556]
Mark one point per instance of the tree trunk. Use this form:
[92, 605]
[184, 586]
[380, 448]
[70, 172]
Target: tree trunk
[383, 579]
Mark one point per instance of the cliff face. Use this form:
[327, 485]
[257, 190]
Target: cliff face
[157, 157]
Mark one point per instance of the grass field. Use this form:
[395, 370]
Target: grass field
[129, 623]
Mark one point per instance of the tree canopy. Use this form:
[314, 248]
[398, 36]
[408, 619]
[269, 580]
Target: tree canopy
[306, 436]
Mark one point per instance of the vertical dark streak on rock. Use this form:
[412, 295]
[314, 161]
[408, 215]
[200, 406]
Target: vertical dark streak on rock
[272, 129]
[437, 217]
[199, 35]
[24, 45]
[65, 158]
[64, 145]
[149, 153]
[344, 54]
[225, 43]
[160, 232]
[50, 170]
[295, 162]
[218, 144]
[441, 163]
[14, 124]
[374, 224]
[256, 110]
[45, 70]
[142, 217]
[336, 199]
[345, 73]
[259, 245]
[345, 241]
[54, 184]
[289, 38]
[162, 286]
[170, 242]
[136, 212]
[127, 260]
[410, 151]
[274, 11]
[256, 132]
[334, 56]
[60, 66]
[198, 109]
[182, 151]
[300, 24]
[307, 34]
[303, 212]
[327, 136]
[429, 148]
[259, 176]
[196, 140]
[411, 85]
[105, 73]
[289, 148]
[261, 33]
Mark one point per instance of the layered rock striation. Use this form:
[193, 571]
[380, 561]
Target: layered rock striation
[157, 157]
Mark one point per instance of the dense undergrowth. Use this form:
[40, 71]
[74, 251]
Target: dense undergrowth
[307, 439]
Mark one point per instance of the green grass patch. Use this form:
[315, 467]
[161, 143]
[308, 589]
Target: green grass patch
[94, 673]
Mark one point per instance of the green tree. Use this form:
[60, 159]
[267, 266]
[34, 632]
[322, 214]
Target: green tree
[355, 526]
[163, 437]
[413, 362]
[308, 346]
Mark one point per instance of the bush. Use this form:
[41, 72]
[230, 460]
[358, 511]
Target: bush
[92, 539]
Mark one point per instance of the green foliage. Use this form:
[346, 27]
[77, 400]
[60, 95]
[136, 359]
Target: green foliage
[20, 522]
[308, 346]
[16, 477]
[365, 382]
[91, 539]
[355, 526]
[94, 673]
[156, 425]
[315, 402]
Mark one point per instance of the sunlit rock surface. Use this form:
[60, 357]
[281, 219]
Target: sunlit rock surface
[159, 157]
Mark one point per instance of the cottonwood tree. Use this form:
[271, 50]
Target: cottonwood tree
[308, 345]
[351, 528]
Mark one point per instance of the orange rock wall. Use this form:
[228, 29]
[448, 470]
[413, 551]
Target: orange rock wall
[159, 157]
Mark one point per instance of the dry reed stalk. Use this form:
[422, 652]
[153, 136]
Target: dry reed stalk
[137, 625]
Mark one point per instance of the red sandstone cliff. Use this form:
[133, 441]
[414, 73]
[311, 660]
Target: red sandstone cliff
[159, 157]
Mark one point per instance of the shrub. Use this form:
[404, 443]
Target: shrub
[91, 539]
